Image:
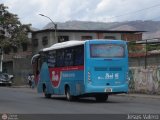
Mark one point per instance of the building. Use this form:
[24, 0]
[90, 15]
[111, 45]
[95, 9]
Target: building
[145, 53]
[16, 61]
[46, 38]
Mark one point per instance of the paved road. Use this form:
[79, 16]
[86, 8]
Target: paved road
[27, 101]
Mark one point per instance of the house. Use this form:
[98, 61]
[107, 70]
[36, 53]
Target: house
[46, 38]
[16, 61]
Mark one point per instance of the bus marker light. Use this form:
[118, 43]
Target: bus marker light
[89, 76]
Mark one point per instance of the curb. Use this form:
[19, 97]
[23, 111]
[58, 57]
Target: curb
[141, 95]
[25, 86]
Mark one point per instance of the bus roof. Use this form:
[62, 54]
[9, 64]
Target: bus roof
[72, 43]
[64, 45]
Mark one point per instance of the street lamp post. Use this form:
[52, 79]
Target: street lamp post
[55, 25]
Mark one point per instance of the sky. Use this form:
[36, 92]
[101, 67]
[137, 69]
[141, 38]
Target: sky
[84, 10]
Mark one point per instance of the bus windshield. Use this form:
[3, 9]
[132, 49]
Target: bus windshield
[107, 51]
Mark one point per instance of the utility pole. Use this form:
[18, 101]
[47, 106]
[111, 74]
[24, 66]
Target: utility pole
[1, 62]
[1, 36]
[146, 55]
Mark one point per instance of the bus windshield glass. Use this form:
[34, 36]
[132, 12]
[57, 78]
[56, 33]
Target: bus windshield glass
[107, 51]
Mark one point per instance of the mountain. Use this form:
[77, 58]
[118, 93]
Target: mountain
[152, 28]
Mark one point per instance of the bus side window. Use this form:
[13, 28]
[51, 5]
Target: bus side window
[68, 59]
[79, 56]
[60, 58]
[51, 58]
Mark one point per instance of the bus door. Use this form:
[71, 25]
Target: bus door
[36, 67]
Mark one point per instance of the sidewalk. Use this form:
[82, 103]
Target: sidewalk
[22, 86]
[154, 96]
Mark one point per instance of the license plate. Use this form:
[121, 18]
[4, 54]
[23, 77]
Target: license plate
[108, 90]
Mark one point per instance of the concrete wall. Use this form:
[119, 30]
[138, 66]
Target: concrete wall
[22, 67]
[145, 80]
[152, 60]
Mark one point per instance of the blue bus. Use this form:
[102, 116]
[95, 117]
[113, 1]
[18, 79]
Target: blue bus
[94, 68]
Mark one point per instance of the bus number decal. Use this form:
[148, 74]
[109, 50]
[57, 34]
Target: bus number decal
[112, 76]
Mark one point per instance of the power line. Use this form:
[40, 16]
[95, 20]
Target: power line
[137, 11]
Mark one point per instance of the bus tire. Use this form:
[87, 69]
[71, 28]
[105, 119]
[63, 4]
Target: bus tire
[69, 97]
[101, 98]
[46, 95]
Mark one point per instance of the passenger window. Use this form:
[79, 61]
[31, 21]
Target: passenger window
[51, 58]
[60, 58]
[79, 55]
[68, 59]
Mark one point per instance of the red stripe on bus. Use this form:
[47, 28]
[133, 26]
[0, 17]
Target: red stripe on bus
[55, 73]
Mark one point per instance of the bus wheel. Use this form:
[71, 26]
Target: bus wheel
[101, 98]
[68, 94]
[47, 95]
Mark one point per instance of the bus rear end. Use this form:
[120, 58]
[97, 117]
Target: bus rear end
[106, 68]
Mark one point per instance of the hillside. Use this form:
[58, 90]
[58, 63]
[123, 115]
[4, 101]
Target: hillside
[152, 27]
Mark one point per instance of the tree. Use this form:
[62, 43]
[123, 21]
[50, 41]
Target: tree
[12, 32]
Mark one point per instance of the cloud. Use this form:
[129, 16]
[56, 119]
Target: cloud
[102, 6]
[86, 10]
[123, 10]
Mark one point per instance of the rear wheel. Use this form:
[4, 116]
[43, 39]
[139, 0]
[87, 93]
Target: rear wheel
[9, 84]
[68, 94]
[101, 98]
[46, 95]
